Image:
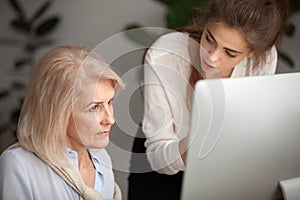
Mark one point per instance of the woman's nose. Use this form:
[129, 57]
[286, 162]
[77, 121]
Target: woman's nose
[108, 117]
[214, 55]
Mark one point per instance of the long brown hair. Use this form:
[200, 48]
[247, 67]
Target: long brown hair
[262, 23]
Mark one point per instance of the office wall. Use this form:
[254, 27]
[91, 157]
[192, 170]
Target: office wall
[90, 23]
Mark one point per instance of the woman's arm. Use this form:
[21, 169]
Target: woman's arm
[166, 116]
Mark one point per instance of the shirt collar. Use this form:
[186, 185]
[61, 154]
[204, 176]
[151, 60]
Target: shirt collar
[73, 156]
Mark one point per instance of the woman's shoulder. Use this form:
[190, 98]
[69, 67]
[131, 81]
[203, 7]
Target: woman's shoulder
[15, 155]
[170, 46]
[18, 158]
[173, 35]
[171, 41]
[15, 152]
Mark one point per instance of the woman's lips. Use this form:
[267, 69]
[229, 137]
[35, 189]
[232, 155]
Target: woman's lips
[104, 133]
[206, 66]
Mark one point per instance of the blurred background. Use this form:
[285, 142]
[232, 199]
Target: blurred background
[29, 28]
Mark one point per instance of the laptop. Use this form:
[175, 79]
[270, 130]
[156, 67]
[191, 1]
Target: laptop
[244, 139]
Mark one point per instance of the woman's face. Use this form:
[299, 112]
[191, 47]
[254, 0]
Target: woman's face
[92, 117]
[221, 49]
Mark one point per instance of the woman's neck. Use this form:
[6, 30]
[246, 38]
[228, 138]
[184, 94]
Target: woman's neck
[85, 165]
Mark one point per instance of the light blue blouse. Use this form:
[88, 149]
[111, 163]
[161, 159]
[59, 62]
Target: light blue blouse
[24, 176]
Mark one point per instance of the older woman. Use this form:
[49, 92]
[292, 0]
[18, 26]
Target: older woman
[64, 126]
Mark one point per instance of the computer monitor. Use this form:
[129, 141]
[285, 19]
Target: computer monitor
[244, 138]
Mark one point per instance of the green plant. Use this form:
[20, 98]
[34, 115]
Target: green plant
[33, 34]
[180, 12]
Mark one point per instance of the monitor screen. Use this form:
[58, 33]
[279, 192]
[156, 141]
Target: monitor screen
[244, 138]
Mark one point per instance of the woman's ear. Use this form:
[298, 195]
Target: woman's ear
[250, 54]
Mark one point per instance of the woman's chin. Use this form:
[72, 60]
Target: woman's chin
[210, 72]
[100, 144]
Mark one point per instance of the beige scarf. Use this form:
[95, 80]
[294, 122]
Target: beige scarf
[71, 175]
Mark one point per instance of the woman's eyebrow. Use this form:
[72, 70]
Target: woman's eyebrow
[235, 51]
[228, 49]
[99, 102]
[211, 35]
[94, 103]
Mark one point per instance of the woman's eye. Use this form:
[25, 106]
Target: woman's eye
[230, 55]
[94, 108]
[110, 102]
[208, 39]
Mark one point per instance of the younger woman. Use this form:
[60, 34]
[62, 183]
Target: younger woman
[232, 38]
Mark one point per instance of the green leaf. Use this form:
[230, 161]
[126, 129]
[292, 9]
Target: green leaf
[21, 63]
[167, 2]
[16, 6]
[41, 11]
[47, 26]
[140, 35]
[4, 94]
[286, 58]
[20, 24]
[290, 30]
[181, 12]
[294, 6]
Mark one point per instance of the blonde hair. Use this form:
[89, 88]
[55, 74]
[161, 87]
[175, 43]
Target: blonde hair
[47, 108]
